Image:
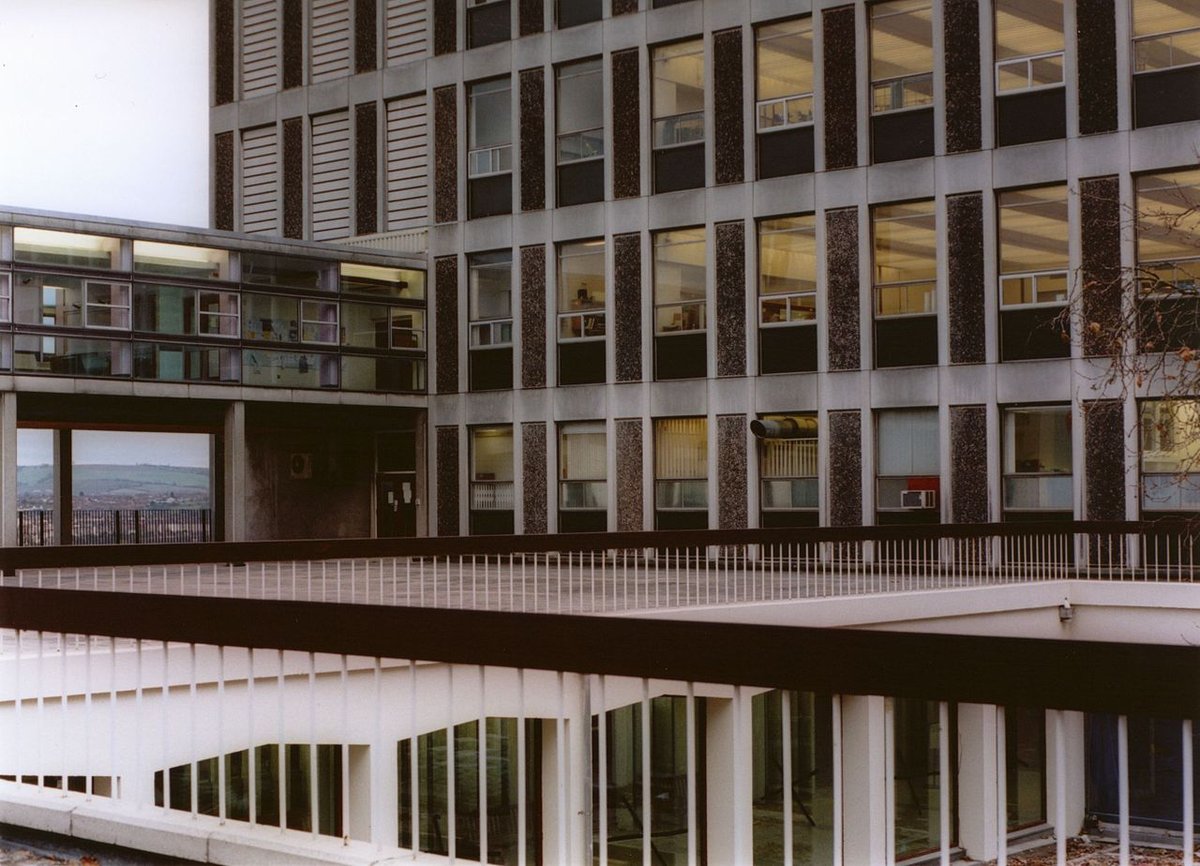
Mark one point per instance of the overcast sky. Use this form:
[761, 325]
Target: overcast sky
[105, 106]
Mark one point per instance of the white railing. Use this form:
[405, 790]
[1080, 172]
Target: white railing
[414, 241]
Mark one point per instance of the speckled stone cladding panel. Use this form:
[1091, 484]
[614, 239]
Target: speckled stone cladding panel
[1100, 240]
[731, 471]
[447, 481]
[841, 250]
[223, 181]
[533, 316]
[445, 275]
[731, 299]
[366, 170]
[533, 477]
[841, 88]
[964, 239]
[532, 20]
[627, 307]
[963, 130]
[968, 464]
[293, 177]
[845, 468]
[626, 124]
[629, 475]
[445, 26]
[533, 139]
[445, 154]
[293, 44]
[1096, 28]
[624, 7]
[223, 56]
[1104, 459]
[730, 161]
[365, 49]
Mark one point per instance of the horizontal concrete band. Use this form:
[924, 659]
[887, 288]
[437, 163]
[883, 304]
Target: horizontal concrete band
[1136, 679]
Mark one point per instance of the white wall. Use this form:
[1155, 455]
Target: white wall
[106, 108]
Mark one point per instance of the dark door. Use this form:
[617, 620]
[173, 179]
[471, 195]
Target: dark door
[396, 505]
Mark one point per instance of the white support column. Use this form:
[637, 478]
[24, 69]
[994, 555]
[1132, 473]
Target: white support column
[234, 472]
[1123, 789]
[8, 469]
[1189, 794]
[864, 780]
[1070, 762]
[719, 747]
[579, 730]
[979, 765]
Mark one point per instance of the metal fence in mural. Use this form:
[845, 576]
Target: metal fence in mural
[35, 527]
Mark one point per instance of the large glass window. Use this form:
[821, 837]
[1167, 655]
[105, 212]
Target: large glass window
[489, 285]
[1025, 766]
[489, 147]
[680, 308]
[918, 740]
[583, 470]
[907, 466]
[491, 480]
[1170, 451]
[1037, 459]
[488, 22]
[1166, 61]
[1034, 280]
[46, 247]
[1030, 99]
[376, 281]
[72, 302]
[904, 273]
[787, 289]
[581, 316]
[1168, 254]
[788, 469]
[373, 326]
[289, 320]
[579, 115]
[901, 79]
[681, 473]
[677, 72]
[5, 298]
[784, 94]
[177, 260]
[266, 269]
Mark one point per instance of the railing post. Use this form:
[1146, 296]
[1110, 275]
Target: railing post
[137, 526]
[117, 520]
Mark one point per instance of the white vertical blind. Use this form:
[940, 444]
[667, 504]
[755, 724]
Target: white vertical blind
[680, 448]
[407, 163]
[582, 452]
[789, 458]
[330, 26]
[260, 180]
[331, 176]
[407, 24]
[260, 47]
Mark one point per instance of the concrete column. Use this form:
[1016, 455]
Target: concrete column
[977, 769]
[63, 502]
[234, 470]
[729, 750]
[8, 469]
[864, 780]
[579, 776]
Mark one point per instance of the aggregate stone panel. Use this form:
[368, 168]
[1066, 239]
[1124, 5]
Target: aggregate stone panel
[532, 19]
[968, 464]
[845, 468]
[445, 26]
[366, 169]
[842, 283]
[1096, 29]
[1100, 241]
[967, 295]
[730, 162]
[533, 139]
[365, 51]
[1104, 459]
[293, 177]
[731, 472]
[963, 122]
[731, 299]
[533, 316]
[626, 123]
[627, 307]
[841, 88]
[223, 53]
[447, 481]
[445, 154]
[293, 43]
[624, 7]
[630, 516]
[533, 477]
[223, 181]
[445, 275]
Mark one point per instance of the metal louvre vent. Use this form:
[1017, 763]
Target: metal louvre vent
[330, 39]
[260, 180]
[407, 163]
[260, 47]
[407, 23]
[331, 176]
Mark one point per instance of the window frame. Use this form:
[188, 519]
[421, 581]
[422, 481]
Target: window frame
[594, 483]
[702, 303]
[656, 119]
[878, 287]
[597, 313]
[693, 482]
[497, 153]
[759, 103]
[1003, 276]
[500, 499]
[892, 82]
[494, 326]
[559, 135]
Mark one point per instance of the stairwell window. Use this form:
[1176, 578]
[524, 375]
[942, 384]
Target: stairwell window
[901, 80]
[1030, 97]
[1033, 273]
[579, 115]
[784, 94]
[489, 148]
[677, 100]
[1166, 62]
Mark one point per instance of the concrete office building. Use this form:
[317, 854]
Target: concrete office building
[811, 272]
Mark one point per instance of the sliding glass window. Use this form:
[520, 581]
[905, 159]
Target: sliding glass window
[901, 80]
[489, 148]
[1037, 463]
[583, 474]
[1168, 256]
[489, 289]
[579, 116]
[784, 93]
[681, 473]
[904, 278]
[680, 305]
[677, 102]
[1030, 96]
[787, 289]
[581, 317]
[1034, 279]
[1166, 62]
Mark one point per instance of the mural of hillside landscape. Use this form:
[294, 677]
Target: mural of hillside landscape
[110, 486]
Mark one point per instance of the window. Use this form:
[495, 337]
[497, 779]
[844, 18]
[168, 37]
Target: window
[787, 469]
[904, 274]
[579, 100]
[488, 22]
[583, 470]
[265, 269]
[373, 326]
[177, 260]
[375, 281]
[678, 102]
[489, 148]
[491, 480]
[1025, 766]
[185, 311]
[45, 247]
[787, 294]
[5, 298]
[1170, 450]
[681, 473]
[72, 302]
[680, 287]
[319, 322]
[1030, 98]
[907, 466]
[784, 93]
[289, 320]
[1037, 460]
[1033, 273]
[1166, 62]
[918, 740]
[581, 316]
[570, 13]
[489, 278]
[901, 80]
[106, 305]
[1168, 255]
[217, 314]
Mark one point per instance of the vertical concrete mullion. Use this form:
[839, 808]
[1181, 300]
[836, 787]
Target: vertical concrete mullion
[626, 123]
[295, 174]
[968, 464]
[1100, 217]
[530, 17]
[1104, 459]
[445, 26]
[842, 300]
[445, 154]
[224, 52]
[223, 182]
[630, 474]
[366, 168]
[627, 307]
[533, 480]
[366, 35]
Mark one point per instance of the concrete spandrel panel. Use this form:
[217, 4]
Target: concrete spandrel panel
[1157, 146]
[794, 193]
[673, 23]
[673, 209]
[679, 397]
[488, 61]
[730, 202]
[1033, 381]
[581, 402]
[962, 172]
[901, 181]
[1042, 162]
[732, 395]
[909, 386]
[579, 41]
[580, 221]
[788, 392]
[489, 233]
[489, 407]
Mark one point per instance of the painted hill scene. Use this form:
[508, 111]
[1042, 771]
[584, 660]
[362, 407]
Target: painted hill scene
[116, 486]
